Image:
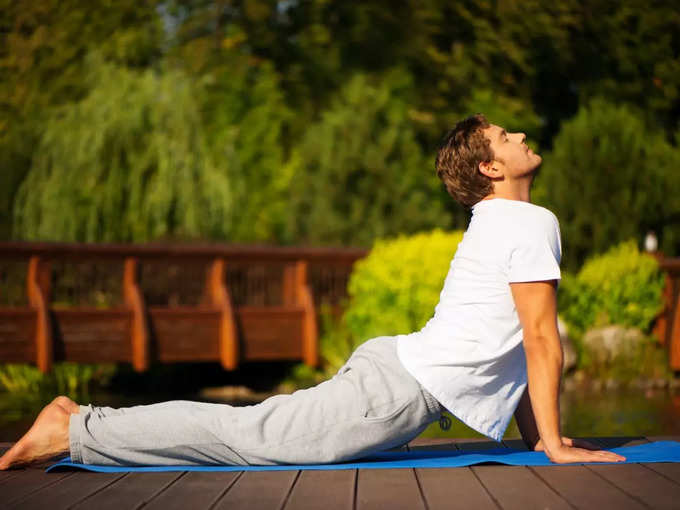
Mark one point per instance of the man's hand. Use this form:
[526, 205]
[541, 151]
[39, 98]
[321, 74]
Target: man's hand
[578, 450]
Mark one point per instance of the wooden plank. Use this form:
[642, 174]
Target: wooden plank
[584, 489]
[90, 335]
[196, 489]
[130, 491]
[185, 333]
[271, 332]
[670, 470]
[17, 334]
[388, 488]
[643, 484]
[453, 488]
[259, 489]
[518, 487]
[334, 490]
[30, 481]
[68, 490]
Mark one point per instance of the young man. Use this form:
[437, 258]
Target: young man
[491, 349]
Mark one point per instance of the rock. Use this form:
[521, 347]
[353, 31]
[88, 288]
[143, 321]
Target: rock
[610, 342]
[567, 346]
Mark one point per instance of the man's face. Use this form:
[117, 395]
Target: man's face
[516, 158]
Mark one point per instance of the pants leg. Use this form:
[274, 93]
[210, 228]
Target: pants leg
[370, 405]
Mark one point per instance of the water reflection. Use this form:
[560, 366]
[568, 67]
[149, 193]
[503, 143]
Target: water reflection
[620, 412]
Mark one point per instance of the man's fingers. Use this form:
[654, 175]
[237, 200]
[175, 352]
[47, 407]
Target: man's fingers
[609, 456]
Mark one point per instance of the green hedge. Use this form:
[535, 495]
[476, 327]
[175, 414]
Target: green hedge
[622, 286]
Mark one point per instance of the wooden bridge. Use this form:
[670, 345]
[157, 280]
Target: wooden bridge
[144, 303]
[166, 303]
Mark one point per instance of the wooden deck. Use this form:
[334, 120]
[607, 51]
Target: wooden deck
[625, 486]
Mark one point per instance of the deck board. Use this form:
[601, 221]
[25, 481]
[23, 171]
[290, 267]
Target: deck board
[259, 489]
[388, 488]
[29, 481]
[641, 483]
[68, 490]
[129, 491]
[584, 489]
[334, 488]
[196, 489]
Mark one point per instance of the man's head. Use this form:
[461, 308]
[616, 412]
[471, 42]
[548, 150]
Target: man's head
[478, 158]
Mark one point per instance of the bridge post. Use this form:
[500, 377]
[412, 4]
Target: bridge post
[134, 299]
[218, 294]
[38, 290]
[303, 297]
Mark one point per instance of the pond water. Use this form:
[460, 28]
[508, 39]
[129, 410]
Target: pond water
[621, 412]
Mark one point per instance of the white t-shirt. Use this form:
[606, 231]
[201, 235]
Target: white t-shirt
[470, 355]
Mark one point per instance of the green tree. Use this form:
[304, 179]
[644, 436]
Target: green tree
[610, 178]
[42, 50]
[360, 173]
[129, 162]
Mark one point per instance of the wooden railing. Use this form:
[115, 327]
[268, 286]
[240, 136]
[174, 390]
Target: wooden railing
[202, 302]
[667, 325]
[238, 302]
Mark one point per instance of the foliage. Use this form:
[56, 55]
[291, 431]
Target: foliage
[43, 46]
[610, 178]
[244, 116]
[395, 289]
[360, 172]
[72, 379]
[127, 163]
[622, 286]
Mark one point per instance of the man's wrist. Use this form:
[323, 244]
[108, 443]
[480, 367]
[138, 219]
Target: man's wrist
[552, 443]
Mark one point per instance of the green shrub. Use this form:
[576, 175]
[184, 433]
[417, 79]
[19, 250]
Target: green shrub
[72, 379]
[395, 288]
[622, 286]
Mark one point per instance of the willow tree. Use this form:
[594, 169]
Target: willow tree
[129, 162]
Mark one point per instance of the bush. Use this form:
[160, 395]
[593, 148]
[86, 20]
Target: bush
[72, 379]
[622, 286]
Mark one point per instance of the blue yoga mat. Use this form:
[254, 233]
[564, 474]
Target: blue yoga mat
[658, 451]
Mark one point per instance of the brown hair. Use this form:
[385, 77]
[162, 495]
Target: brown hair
[457, 163]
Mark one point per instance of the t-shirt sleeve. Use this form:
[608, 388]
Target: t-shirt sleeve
[537, 253]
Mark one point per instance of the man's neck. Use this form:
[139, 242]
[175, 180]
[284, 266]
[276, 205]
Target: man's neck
[519, 190]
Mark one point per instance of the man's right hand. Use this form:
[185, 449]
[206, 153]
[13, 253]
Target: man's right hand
[564, 454]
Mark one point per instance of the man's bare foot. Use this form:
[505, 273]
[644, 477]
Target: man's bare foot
[68, 404]
[48, 437]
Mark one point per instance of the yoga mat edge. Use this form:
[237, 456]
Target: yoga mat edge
[657, 451]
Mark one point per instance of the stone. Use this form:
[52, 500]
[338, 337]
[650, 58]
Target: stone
[608, 343]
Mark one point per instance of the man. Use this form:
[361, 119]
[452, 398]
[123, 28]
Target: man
[493, 335]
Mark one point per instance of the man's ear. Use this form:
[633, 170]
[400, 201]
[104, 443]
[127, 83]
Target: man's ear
[488, 169]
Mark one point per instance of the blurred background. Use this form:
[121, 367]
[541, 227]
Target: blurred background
[316, 123]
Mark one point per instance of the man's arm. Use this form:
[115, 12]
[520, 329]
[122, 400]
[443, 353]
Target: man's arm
[536, 304]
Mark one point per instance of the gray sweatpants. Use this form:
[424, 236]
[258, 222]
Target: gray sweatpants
[372, 404]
